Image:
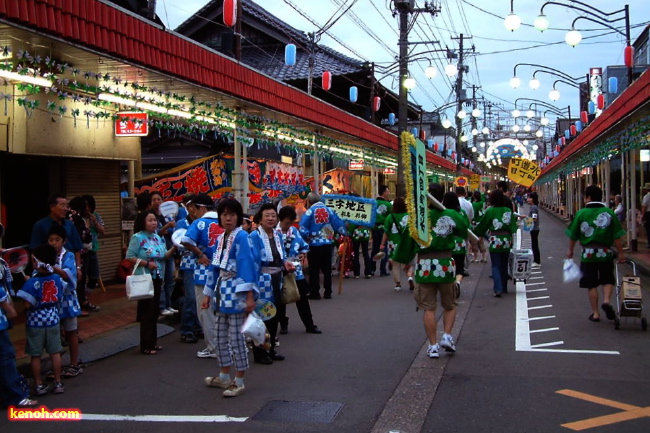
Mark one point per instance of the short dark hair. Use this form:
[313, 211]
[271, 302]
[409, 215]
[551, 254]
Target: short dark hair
[476, 196]
[152, 193]
[450, 201]
[461, 191]
[287, 212]
[45, 253]
[498, 198]
[203, 199]
[143, 200]
[90, 201]
[382, 189]
[141, 219]
[78, 204]
[436, 190]
[53, 200]
[57, 230]
[265, 206]
[233, 206]
[502, 185]
[594, 193]
[535, 198]
[399, 205]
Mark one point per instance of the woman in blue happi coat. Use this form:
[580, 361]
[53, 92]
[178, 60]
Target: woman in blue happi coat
[269, 254]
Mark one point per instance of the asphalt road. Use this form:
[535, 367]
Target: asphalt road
[368, 371]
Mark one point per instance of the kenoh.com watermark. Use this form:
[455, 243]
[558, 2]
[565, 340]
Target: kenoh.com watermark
[43, 414]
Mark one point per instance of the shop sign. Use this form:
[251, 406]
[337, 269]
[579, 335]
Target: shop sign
[131, 124]
[356, 164]
[356, 210]
[389, 170]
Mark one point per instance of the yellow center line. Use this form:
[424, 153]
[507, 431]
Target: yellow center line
[608, 419]
[597, 400]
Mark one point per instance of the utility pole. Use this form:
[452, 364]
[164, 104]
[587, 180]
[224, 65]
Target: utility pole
[474, 137]
[459, 100]
[312, 44]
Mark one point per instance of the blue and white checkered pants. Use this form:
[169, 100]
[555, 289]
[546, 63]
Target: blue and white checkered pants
[231, 343]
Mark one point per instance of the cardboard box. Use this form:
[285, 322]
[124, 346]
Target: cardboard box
[631, 288]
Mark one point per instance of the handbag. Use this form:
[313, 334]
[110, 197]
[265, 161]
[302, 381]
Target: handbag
[290, 293]
[139, 287]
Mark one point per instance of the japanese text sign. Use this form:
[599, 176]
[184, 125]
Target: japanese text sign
[131, 124]
[523, 171]
[474, 182]
[357, 210]
[356, 164]
[420, 190]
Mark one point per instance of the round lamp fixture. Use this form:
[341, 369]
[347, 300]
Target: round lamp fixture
[515, 82]
[409, 83]
[512, 21]
[525, 142]
[516, 113]
[539, 133]
[573, 37]
[476, 112]
[430, 72]
[474, 149]
[554, 95]
[527, 128]
[451, 70]
[515, 128]
[541, 23]
[461, 114]
[485, 130]
[482, 144]
[535, 147]
[474, 131]
[463, 138]
[530, 114]
[534, 83]
[446, 123]
[544, 121]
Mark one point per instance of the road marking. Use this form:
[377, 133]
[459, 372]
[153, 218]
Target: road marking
[629, 411]
[536, 290]
[554, 343]
[538, 298]
[530, 319]
[536, 278]
[161, 418]
[532, 331]
[535, 284]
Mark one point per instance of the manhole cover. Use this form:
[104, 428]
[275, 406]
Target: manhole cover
[321, 412]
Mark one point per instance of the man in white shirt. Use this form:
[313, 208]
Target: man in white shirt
[466, 206]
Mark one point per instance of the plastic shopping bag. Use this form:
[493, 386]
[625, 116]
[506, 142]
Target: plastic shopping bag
[571, 271]
[254, 328]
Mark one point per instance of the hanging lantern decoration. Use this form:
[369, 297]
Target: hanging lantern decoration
[290, 55]
[436, 147]
[376, 103]
[230, 12]
[573, 129]
[391, 119]
[591, 107]
[612, 84]
[567, 134]
[430, 143]
[600, 101]
[449, 152]
[327, 80]
[584, 117]
[628, 55]
[423, 135]
[414, 131]
[557, 148]
[563, 141]
[579, 125]
[453, 155]
[354, 94]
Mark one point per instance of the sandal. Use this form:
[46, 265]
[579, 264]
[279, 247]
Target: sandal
[27, 402]
[148, 352]
[594, 319]
[158, 348]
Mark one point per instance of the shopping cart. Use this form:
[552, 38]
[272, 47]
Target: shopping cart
[629, 297]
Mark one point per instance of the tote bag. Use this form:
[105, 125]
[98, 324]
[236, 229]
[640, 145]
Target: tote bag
[139, 287]
[290, 293]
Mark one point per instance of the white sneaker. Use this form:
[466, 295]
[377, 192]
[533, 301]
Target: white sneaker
[398, 288]
[166, 312]
[173, 310]
[205, 353]
[433, 351]
[234, 390]
[447, 343]
[217, 382]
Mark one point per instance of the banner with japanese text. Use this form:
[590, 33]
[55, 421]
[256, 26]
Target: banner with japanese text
[357, 210]
[523, 171]
[474, 183]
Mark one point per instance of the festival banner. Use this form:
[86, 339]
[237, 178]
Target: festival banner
[474, 182]
[461, 181]
[414, 157]
[357, 210]
[523, 171]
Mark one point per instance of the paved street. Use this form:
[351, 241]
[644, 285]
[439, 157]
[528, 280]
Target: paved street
[368, 372]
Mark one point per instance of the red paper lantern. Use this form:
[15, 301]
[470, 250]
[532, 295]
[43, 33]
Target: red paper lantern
[453, 156]
[327, 80]
[435, 147]
[573, 129]
[600, 101]
[423, 134]
[557, 149]
[563, 141]
[376, 103]
[230, 12]
[628, 55]
[584, 117]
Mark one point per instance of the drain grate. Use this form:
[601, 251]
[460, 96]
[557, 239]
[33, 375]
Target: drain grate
[319, 412]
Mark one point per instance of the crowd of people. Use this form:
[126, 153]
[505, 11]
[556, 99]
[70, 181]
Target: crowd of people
[232, 264]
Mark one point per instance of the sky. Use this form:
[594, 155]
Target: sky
[369, 32]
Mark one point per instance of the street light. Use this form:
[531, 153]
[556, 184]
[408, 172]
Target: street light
[541, 23]
[451, 70]
[409, 83]
[512, 21]
[430, 72]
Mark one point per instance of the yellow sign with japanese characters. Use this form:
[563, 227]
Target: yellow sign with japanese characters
[523, 171]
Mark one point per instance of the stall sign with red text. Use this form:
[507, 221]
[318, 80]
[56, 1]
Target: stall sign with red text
[131, 124]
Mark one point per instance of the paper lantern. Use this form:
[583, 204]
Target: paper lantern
[600, 101]
[567, 134]
[573, 130]
[453, 155]
[557, 148]
[579, 125]
[436, 147]
[612, 84]
[628, 55]
[591, 107]
[391, 119]
[430, 143]
[376, 103]
[563, 141]
[230, 12]
[327, 80]
[423, 135]
[584, 117]
[414, 131]
[290, 55]
[354, 94]
[449, 152]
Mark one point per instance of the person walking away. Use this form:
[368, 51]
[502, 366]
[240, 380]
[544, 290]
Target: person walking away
[596, 228]
[384, 208]
[201, 239]
[69, 308]
[478, 246]
[533, 212]
[459, 253]
[500, 221]
[360, 236]
[232, 294]
[507, 194]
[395, 226]
[148, 247]
[466, 207]
[318, 227]
[42, 295]
[295, 249]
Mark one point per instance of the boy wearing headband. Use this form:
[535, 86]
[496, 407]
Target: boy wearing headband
[42, 295]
